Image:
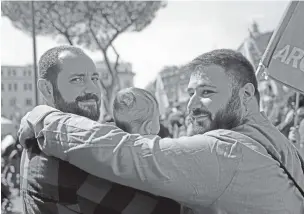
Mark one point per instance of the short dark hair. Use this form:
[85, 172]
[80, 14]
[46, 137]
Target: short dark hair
[237, 67]
[124, 104]
[49, 62]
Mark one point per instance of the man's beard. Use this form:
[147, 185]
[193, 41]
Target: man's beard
[227, 118]
[90, 112]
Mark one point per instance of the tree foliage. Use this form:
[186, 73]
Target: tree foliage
[91, 24]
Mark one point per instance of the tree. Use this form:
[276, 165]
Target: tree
[52, 18]
[91, 24]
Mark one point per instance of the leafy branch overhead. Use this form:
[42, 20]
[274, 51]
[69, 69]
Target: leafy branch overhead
[76, 19]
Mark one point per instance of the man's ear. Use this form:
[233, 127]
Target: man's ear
[248, 91]
[46, 88]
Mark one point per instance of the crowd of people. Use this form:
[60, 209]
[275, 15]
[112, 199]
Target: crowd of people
[220, 154]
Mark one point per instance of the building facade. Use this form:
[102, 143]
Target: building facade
[17, 90]
[125, 74]
[175, 81]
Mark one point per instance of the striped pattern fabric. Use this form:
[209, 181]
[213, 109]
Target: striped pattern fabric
[50, 185]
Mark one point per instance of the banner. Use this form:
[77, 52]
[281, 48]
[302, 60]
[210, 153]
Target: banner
[161, 96]
[283, 59]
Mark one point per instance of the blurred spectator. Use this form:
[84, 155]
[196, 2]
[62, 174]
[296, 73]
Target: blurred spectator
[288, 121]
[164, 131]
[301, 125]
[176, 119]
[7, 145]
[267, 99]
[296, 134]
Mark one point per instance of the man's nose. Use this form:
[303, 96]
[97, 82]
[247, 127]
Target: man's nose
[193, 103]
[92, 87]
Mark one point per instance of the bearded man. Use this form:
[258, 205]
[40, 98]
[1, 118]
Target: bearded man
[69, 83]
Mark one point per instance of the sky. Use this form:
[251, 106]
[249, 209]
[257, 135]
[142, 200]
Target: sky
[179, 33]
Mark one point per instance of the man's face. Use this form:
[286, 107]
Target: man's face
[78, 90]
[213, 103]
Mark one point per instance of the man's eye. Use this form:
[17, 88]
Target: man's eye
[207, 92]
[77, 80]
[95, 78]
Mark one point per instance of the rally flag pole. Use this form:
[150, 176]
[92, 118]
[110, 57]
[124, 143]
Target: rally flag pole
[34, 51]
[296, 119]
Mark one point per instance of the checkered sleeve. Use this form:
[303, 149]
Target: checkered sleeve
[97, 196]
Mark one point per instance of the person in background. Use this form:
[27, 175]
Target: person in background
[267, 99]
[288, 121]
[164, 131]
[296, 134]
[175, 119]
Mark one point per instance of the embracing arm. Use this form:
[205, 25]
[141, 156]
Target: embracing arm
[188, 169]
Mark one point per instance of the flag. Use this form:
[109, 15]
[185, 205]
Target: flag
[283, 59]
[161, 96]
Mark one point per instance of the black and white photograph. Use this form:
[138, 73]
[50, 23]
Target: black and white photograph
[152, 107]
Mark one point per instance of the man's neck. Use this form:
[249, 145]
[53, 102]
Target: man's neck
[252, 108]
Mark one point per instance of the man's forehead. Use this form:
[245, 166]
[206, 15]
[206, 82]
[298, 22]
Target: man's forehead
[73, 62]
[205, 71]
[211, 75]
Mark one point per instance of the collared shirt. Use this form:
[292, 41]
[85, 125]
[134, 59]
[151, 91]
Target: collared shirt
[51, 185]
[222, 170]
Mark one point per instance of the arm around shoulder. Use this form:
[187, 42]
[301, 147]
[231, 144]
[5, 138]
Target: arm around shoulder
[193, 170]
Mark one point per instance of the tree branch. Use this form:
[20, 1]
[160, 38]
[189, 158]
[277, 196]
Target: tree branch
[68, 37]
[117, 57]
[117, 33]
[95, 38]
[104, 51]
[108, 21]
[60, 21]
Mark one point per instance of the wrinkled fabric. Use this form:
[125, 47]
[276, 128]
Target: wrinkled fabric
[51, 185]
[222, 171]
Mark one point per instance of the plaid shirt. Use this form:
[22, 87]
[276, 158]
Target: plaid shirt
[50, 185]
